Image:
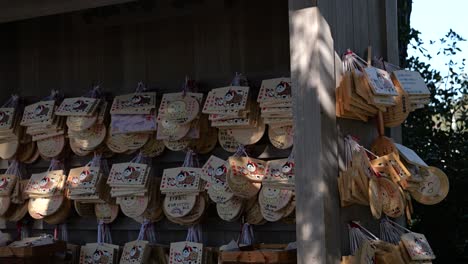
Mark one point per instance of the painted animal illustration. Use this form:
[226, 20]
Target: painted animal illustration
[384, 82]
[185, 178]
[135, 252]
[189, 255]
[100, 257]
[283, 90]
[45, 183]
[41, 110]
[140, 100]
[253, 168]
[233, 98]
[79, 105]
[85, 177]
[288, 170]
[131, 173]
[4, 182]
[220, 174]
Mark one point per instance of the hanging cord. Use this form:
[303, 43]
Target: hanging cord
[95, 92]
[12, 102]
[390, 233]
[247, 235]
[239, 80]
[151, 234]
[55, 164]
[61, 232]
[398, 226]
[104, 167]
[104, 234]
[351, 61]
[140, 158]
[191, 159]
[351, 146]
[140, 88]
[14, 168]
[189, 86]
[370, 152]
[384, 65]
[100, 232]
[143, 229]
[194, 234]
[241, 152]
[54, 95]
[357, 235]
[291, 156]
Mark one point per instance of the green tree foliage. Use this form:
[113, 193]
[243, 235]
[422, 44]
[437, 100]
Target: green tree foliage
[439, 134]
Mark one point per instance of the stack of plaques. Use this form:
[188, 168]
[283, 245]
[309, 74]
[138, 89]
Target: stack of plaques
[78, 106]
[371, 183]
[86, 132]
[101, 253]
[252, 212]
[10, 130]
[276, 199]
[133, 121]
[382, 91]
[186, 252]
[88, 185]
[276, 203]
[128, 179]
[179, 119]
[275, 99]
[135, 191]
[17, 198]
[183, 204]
[147, 207]
[415, 248]
[228, 206]
[391, 167]
[246, 175]
[47, 200]
[8, 182]
[414, 85]
[353, 95]
[41, 122]
[215, 172]
[354, 183]
[135, 252]
[230, 108]
[46, 128]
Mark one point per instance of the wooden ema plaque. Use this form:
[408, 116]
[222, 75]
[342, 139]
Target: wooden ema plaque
[186, 252]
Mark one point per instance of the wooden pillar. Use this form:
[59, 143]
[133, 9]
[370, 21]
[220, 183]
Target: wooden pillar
[391, 43]
[313, 77]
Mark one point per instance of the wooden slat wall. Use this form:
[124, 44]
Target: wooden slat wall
[66, 52]
[24, 9]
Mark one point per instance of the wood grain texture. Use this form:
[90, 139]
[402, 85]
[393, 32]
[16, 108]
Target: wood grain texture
[311, 45]
[19, 10]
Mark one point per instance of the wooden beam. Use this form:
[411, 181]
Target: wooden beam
[19, 10]
[313, 77]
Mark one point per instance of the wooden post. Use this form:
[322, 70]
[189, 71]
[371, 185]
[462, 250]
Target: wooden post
[313, 77]
[391, 33]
